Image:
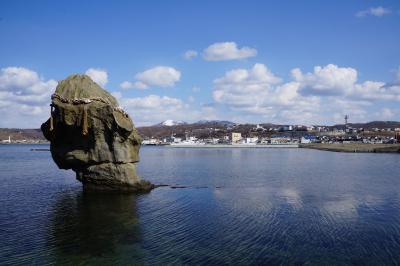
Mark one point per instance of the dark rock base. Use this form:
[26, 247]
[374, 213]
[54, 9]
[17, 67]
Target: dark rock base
[140, 187]
[113, 177]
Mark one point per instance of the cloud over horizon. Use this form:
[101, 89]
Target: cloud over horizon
[98, 75]
[259, 92]
[153, 108]
[373, 11]
[325, 94]
[24, 97]
[224, 51]
[190, 54]
[254, 94]
[159, 76]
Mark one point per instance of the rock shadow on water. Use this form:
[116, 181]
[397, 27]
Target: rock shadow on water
[95, 228]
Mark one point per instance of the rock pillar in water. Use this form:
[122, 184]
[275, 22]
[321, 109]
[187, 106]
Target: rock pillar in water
[90, 134]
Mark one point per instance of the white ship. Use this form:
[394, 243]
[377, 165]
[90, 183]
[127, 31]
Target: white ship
[190, 141]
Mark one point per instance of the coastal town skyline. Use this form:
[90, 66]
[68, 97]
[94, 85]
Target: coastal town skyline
[325, 60]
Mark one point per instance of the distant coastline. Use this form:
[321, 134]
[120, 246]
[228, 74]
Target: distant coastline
[354, 147]
[346, 147]
[235, 146]
[25, 143]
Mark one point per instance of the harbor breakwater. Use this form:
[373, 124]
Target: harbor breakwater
[233, 146]
[354, 147]
[337, 147]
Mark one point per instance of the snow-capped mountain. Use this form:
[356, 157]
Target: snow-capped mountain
[171, 122]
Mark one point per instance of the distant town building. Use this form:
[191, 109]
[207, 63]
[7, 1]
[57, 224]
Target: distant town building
[177, 140]
[280, 138]
[150, 142]
[259, 128]
[236, 137]
[7, 140]
[307, 139]
[253, 140]
[287, 128]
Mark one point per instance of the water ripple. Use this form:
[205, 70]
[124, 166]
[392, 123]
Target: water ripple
[259, 207]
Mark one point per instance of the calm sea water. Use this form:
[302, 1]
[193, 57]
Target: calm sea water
[240, 206]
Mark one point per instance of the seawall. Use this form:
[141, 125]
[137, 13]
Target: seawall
[354, 147]
[235, 146]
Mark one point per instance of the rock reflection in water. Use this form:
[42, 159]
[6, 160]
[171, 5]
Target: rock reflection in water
[95, 228]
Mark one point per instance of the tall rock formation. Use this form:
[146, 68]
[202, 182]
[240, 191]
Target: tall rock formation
[90, 134]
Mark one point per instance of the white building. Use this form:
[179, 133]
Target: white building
[236, 137]
[150, 142]
[7, 140]
[177, 140]
[251, 140]
[280, 140]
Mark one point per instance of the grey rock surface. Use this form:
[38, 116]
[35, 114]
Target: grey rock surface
[90, 134]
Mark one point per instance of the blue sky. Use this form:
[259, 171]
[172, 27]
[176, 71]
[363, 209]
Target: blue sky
[300, 62]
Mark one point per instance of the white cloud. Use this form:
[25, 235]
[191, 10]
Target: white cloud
[259, 74]
[327, 80]
[374, 11]
[331, 80]
[227, 51]
[337, 107]
[376, 90]
[153, 101]
[386, 113]
[208, 113]
[98, 75]
[190, 54]
[258, 91]
[126, 85]
[153, 109]
[24, 97]
[397, 74]
[117, 94]
[21, 82]
[256, 94]
[321, 96]
[160, 76]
